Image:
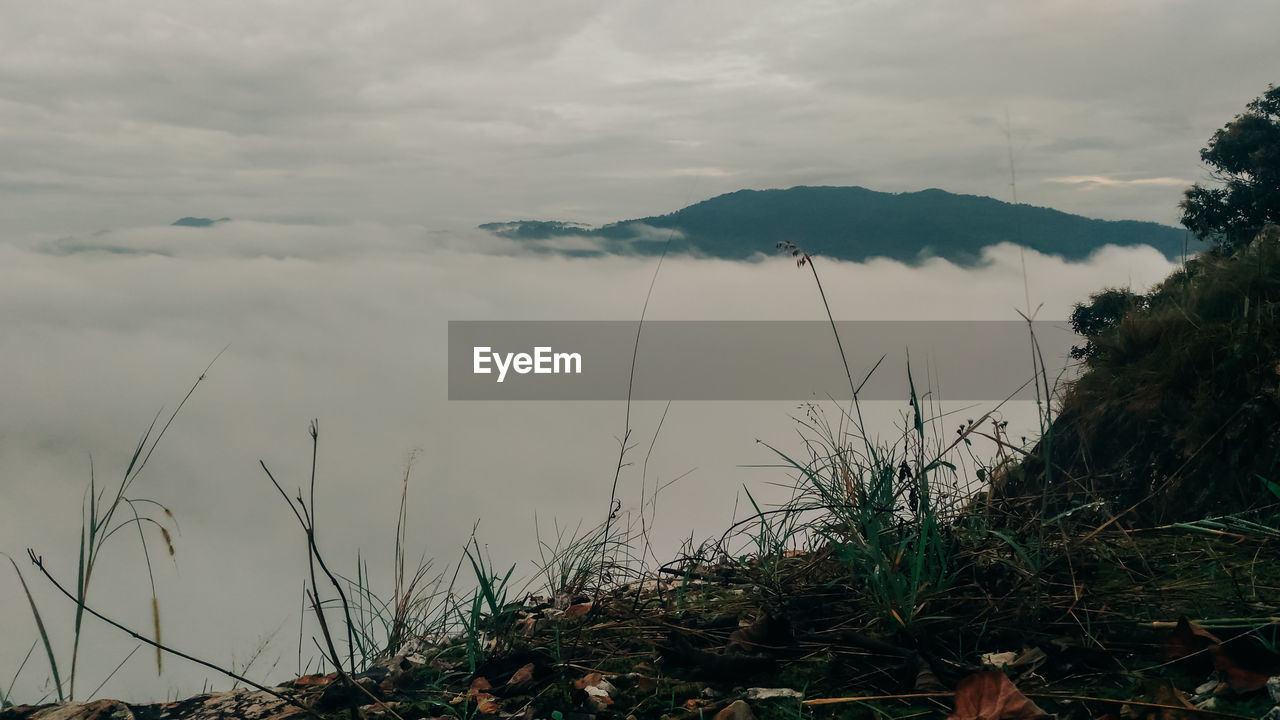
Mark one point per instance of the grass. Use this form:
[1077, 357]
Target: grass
[571, 563]
[104, 513]
[487, 619]
[418, 608]
[1175, 415]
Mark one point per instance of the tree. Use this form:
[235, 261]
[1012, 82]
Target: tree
[1103, 312]
[1245, 157]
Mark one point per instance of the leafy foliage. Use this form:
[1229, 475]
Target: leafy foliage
[1245, 157]
[1103, 313]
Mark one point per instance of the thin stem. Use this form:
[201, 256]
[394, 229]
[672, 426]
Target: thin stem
[38, 561]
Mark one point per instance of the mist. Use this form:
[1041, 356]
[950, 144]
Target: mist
[347, 325]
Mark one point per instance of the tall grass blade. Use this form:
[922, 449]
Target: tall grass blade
[44, 636]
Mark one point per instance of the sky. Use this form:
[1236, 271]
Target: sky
[449, 114]
[356, 148]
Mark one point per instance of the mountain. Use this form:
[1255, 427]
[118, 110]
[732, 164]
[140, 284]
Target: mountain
[197, 222]
[849, 223]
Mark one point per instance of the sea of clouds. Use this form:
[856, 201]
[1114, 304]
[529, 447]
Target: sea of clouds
[347, 324]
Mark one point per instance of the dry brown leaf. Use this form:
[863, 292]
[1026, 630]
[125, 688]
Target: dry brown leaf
[1187, 640]
[486, 702]
[1167, 694]
[991, 696]
[1245, 664]
[523, 675]
[574, 611]
[588, 680]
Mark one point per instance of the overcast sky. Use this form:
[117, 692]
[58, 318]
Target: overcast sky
[447, 114]
[357, 145]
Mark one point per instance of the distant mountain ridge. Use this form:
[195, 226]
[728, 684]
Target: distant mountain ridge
[849, 223]
[198, 222]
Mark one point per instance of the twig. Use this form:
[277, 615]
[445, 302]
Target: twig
[870, 698]
[306, 517]
[38, 561]
[1047, 696]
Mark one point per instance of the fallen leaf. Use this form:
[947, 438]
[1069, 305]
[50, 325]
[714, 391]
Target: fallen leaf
[597, 689]
[574, 611]
[588, 680]
[525, 625]
[1167, 694]
[991, 696]
[1245, 664]
[1187, 640]
[523, 675]
[737, 710]
[486, 703]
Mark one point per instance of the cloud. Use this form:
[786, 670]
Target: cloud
[135, 114]
[1091, 181]
[713, 172]
[348, 324]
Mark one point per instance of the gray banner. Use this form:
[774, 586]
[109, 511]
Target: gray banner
[749, 360]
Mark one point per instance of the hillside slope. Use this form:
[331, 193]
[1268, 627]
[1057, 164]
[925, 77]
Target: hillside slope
[1177, 416]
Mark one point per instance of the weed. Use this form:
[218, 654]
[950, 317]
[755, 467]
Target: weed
[487, 616]
[418, 609]
[103, 514]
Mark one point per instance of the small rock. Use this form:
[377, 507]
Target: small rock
[737, 710]
[999, 660]
[1273, 688]
[771, 693]
[1207, 688]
